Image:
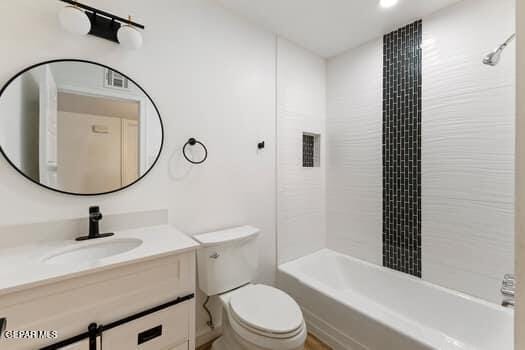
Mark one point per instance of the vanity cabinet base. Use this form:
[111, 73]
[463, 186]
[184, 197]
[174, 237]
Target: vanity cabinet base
[69, 306]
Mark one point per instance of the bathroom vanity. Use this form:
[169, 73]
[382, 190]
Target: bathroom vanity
[90, 130]
[135, 288]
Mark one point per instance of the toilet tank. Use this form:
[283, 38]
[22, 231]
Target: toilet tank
[227, 259]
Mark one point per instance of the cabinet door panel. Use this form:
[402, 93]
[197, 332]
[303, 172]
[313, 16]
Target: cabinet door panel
[161, 330]
[81, 345]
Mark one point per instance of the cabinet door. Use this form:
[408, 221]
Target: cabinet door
[81, 345]
[161, 330]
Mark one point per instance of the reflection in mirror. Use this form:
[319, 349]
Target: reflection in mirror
[79, 127]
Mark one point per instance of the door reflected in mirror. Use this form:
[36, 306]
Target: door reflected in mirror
[79, 127]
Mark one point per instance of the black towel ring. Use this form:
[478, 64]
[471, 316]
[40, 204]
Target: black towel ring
[193, 142]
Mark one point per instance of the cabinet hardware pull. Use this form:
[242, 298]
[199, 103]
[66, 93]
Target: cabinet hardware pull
[149, 334]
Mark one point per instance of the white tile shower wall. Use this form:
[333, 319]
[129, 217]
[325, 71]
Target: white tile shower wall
[212, 76]
[301, 107]
[468, 148]
[519, 320]
[354, 175]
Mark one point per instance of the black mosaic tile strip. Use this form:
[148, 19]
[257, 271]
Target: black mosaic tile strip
[308, 151]
[402, 149]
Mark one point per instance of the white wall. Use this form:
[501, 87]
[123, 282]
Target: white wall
[211, 75]
[87, 76]
[354, 175]
[19, 124]
[519, 331]
[10, 134]
[467, 149]
[301, 107]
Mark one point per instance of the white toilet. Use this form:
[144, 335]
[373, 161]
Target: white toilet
[254, 316]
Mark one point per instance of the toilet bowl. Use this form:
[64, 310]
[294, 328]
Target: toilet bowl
[260, 317]
[254, 316]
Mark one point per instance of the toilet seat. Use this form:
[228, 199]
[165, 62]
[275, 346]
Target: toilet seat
[248, 339]
[266, 311]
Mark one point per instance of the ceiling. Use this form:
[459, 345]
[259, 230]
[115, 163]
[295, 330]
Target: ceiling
[329, 27]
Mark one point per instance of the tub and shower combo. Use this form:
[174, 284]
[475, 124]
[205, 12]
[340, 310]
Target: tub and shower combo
[413, 114]
[355, 305]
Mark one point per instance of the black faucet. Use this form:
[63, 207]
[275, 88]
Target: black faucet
[94, 230]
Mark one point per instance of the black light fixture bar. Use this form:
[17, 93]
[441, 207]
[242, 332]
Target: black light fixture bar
[103, 13]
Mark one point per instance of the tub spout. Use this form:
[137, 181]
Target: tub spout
[508, 288]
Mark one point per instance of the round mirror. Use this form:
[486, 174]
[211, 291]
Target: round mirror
[79, 127]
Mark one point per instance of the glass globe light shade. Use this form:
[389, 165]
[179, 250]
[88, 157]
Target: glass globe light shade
[74, 20]
[129, 37]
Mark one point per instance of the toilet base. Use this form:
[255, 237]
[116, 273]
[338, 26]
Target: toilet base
[219, 344]
[227, 342]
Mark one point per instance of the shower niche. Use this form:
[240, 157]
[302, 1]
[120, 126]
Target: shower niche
[311, 150]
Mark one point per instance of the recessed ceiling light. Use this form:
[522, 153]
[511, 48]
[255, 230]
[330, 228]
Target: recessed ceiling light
[388, 3]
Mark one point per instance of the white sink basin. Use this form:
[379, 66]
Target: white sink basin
[93, 252]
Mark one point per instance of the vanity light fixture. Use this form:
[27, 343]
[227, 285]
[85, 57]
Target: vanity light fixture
[388, 3]
[81, 19]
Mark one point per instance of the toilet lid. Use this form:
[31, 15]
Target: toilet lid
[266, 309]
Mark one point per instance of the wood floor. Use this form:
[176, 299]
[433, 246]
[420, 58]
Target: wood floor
[312, 343]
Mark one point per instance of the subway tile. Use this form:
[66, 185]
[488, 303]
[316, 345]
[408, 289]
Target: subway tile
[402, 149]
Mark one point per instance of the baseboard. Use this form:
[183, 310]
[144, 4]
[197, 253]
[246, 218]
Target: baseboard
[328, 334]
[205, 336]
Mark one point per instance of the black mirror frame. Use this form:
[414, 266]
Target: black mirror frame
[6, 85]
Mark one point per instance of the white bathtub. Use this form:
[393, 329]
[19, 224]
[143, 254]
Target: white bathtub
[355, 305]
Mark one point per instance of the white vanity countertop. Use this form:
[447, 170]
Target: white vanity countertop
[24, 267]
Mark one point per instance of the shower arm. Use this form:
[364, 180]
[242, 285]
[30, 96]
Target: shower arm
[507, 42]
